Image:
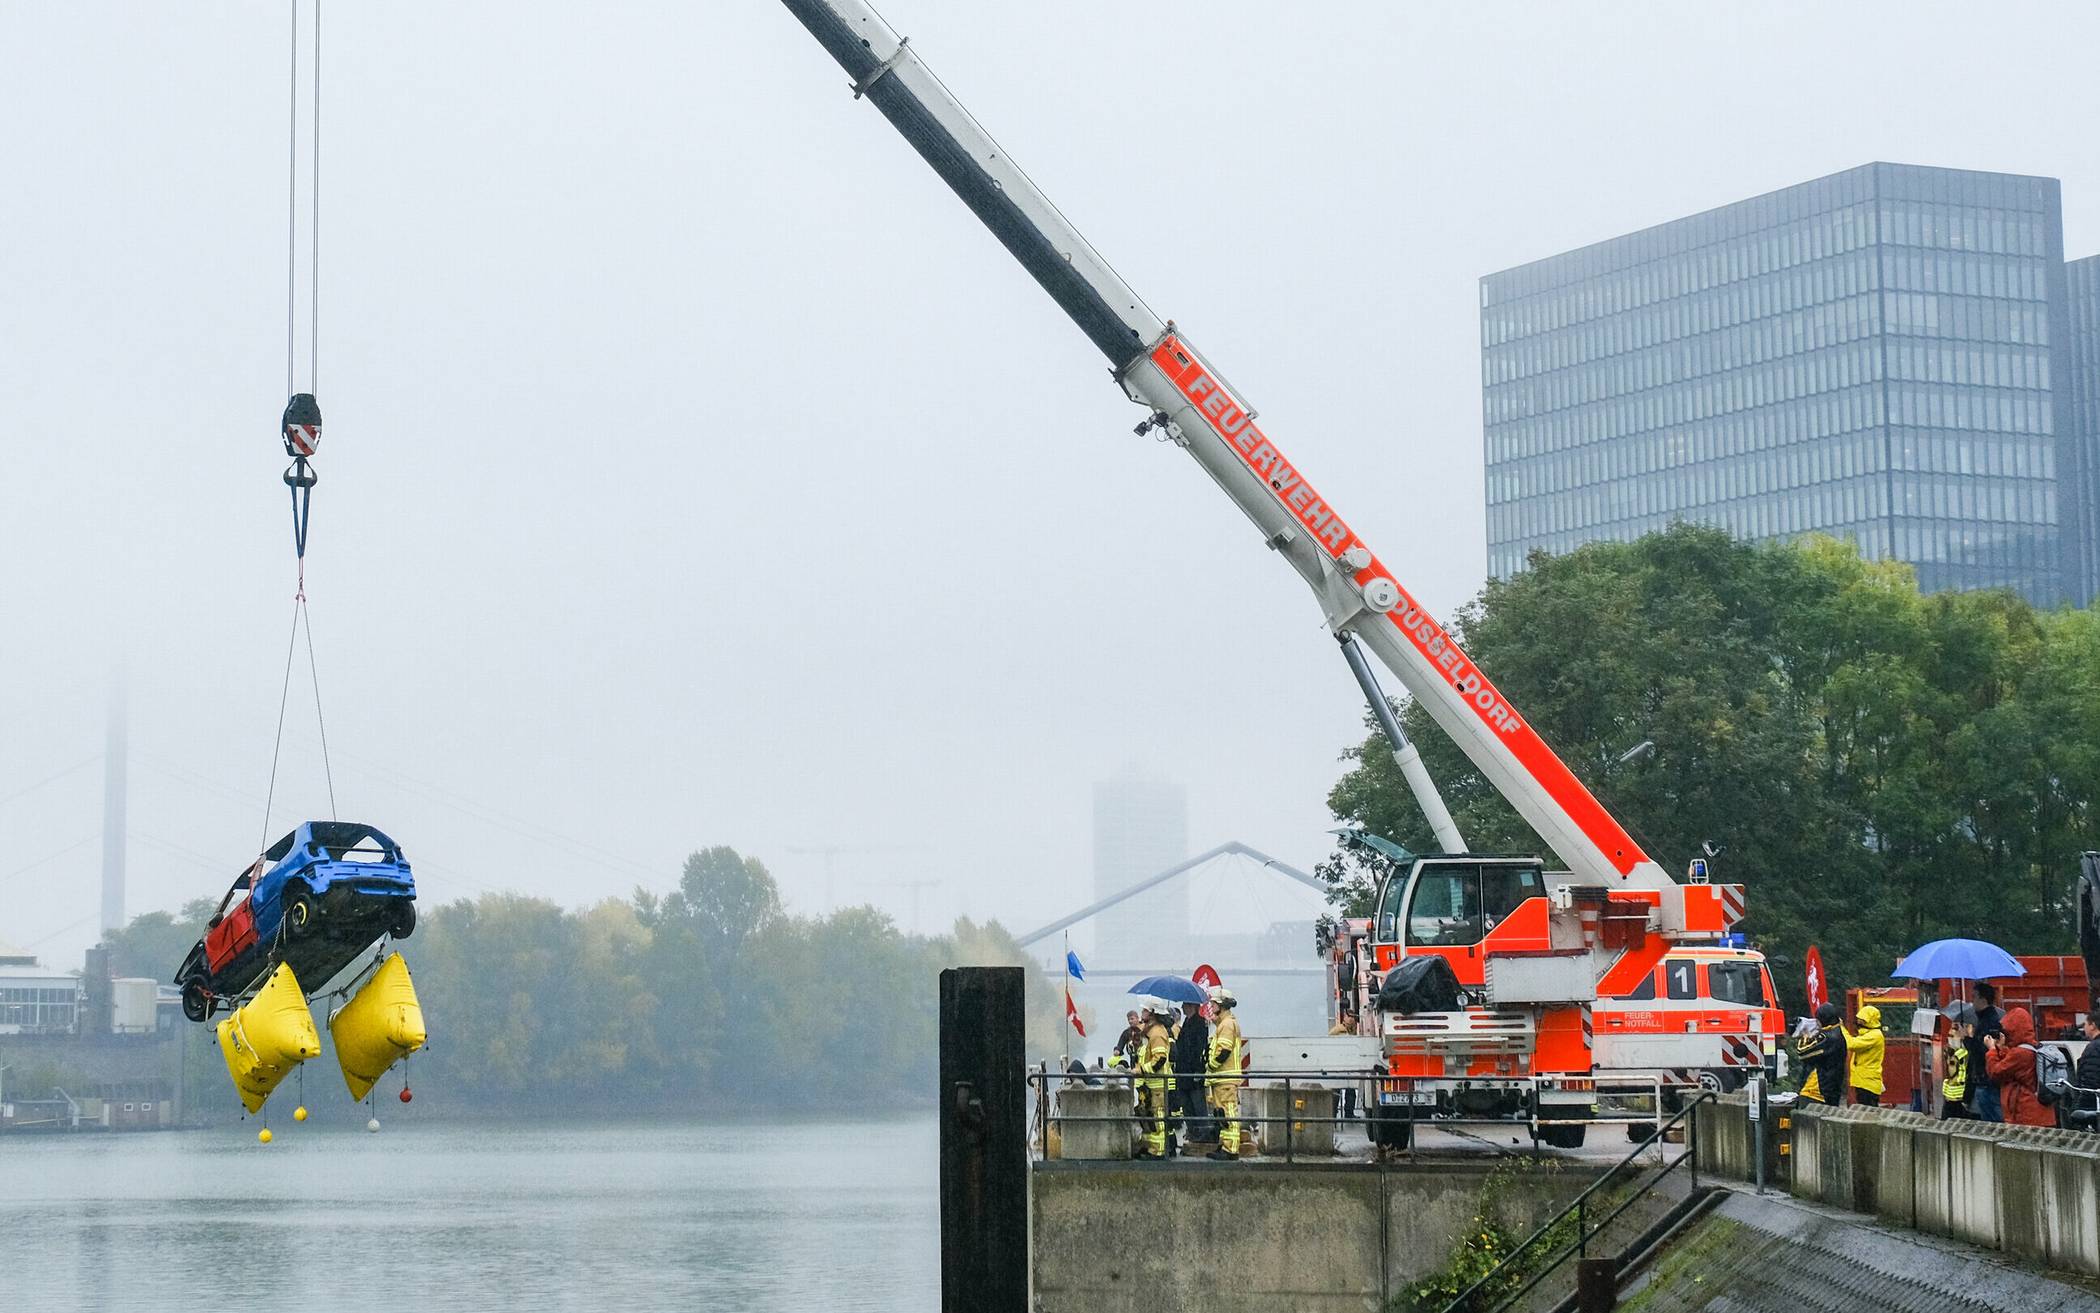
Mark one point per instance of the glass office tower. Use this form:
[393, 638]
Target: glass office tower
[2082, 466]
[1876, 355]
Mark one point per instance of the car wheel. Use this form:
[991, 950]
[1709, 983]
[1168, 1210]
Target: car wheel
[299, 913]
[196, 1001]
[404, 921]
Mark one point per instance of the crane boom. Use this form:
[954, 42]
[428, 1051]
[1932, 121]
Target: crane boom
[1207, 417]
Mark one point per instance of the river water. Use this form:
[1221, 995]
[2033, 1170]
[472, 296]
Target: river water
[760, 1215]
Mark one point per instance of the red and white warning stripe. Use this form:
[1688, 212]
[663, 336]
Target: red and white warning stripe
[303, 437]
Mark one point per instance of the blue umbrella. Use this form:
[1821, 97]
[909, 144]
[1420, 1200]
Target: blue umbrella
[1957, 959]
[1175, 989]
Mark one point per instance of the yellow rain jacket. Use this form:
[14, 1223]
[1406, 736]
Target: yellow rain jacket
[1225, 1051]
[1866, 1050]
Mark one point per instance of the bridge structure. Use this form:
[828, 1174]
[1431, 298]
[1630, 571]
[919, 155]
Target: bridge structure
[1279, 990]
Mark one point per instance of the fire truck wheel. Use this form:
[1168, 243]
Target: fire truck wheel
[1563, 1137]
[1391, 1131]
[1639, 1131]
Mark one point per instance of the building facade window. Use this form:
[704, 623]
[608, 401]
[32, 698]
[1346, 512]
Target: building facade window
[1876, 355]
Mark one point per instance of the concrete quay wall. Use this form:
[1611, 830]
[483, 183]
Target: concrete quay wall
[1108, 1237]
[2030, 1192]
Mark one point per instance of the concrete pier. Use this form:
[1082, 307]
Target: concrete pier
[1165, 1237]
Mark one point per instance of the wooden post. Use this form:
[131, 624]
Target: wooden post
[1596, 1285]
[984, 1142]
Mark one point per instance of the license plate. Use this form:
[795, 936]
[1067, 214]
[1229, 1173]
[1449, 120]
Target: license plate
[1408, 1099]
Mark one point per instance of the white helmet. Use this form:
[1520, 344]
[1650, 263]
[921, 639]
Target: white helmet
[1223, 997]
[1162, 1007]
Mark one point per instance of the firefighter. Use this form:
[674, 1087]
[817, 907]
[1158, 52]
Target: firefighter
[1155, 1063]
[1225, 1073]
[1822, 1052]
[1865, 1051]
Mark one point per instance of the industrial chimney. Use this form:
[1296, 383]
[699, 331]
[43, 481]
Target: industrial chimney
[115, 756]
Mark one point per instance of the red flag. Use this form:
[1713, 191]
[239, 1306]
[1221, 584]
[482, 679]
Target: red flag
[1818, 987]
[1072, 1015]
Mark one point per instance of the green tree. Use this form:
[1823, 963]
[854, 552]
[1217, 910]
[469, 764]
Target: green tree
[1883, 768]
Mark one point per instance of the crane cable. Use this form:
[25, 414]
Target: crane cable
[301, 425]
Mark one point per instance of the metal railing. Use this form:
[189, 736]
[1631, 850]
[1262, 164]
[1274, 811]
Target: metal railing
[1579, 1209]
[1046, 1082]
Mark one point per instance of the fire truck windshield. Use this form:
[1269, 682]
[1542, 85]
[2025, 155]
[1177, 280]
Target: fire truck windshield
[1737, 982]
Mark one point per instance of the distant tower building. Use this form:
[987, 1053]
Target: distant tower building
[1883, 355]
[2083, 278]
[1141, 827]
[115, 772]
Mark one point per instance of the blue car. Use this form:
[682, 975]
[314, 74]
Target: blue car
[316, 899]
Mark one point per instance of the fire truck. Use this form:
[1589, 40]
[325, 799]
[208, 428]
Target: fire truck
[1659, 1015]
[1507, 969]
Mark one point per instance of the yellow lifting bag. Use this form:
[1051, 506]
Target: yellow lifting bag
[378, 1027]
[267, 1037]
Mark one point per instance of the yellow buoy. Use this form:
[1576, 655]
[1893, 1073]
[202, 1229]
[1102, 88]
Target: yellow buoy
[379, 1026]
[263, 1135]
[267, 1037]
[299, 1113]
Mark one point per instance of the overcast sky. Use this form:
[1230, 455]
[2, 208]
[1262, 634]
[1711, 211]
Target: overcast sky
[697, 471]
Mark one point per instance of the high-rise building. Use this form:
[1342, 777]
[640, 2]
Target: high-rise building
[1141, 827]
[2083, 470]
[1881, 354]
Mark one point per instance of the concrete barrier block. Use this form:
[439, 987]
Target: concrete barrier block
[1972, 1184]
[2071, 1207]
[2016, 1168]
[1739, 1158]
[1836, 1167]
[1806, 1178]
[1260, 1105]
[1932, 1178]
[1095, 1139]
[1317, 1135]
[1895, 1174]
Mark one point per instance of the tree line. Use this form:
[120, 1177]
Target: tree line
[709, 996]
[1882, 768]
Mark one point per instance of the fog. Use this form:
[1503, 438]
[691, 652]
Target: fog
[697, 471]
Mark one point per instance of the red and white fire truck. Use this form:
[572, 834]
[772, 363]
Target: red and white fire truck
[1555, 977]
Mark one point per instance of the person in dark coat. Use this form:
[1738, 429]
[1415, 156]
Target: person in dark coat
[2087, 1075]
[1191, 1043]
[1990, 1018]
[1822, 1054]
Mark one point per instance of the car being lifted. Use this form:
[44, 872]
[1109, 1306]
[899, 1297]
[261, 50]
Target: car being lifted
[315, 900]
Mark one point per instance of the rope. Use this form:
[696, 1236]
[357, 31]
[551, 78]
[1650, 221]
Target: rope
[291, 218]
[277, 748]
[302, 485]
[313, 291]
[299, 615]
[321, 720]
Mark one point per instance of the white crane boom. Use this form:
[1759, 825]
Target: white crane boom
[1211, 420]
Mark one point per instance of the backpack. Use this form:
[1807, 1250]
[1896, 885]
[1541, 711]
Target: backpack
[2051, 1069]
